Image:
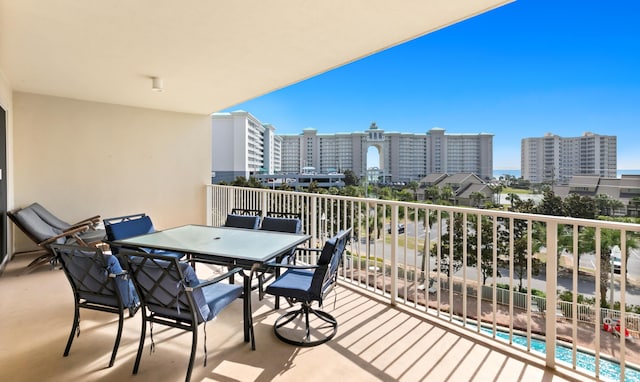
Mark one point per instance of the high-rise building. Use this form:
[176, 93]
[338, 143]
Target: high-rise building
[242, 146]
[554, 159]
[402, 156]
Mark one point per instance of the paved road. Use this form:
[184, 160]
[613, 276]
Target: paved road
[586, 283]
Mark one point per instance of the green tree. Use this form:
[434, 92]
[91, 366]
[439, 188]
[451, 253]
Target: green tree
[520, 242]
[240, 181]
[550, 204]
[577, 206]
[486, 246]
[350, 178]
[447, 194]
[477, 197]
[432, 193]
[414, 185]
[497, 191]
[608, 239]
[451, 249]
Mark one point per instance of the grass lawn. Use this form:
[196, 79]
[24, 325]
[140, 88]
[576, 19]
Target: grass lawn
[509, 190]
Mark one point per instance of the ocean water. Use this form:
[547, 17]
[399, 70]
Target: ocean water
[498, 173]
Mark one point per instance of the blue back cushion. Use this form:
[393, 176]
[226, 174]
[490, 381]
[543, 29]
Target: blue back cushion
[129, 228]
[281, 224]
[242, 221]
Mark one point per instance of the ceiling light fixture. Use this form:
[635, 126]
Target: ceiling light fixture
[157, 85]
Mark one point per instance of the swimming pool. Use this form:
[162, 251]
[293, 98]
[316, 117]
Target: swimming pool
[585, 361]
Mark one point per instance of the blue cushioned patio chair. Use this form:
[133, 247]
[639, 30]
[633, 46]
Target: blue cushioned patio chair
[171, 294]
[124, 227]
[278, 224]
[242, 221]
[95, 286]
[306, 284]
[43, 234]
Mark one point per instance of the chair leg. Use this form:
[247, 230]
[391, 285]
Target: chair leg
[143, 333]
[304, 311]
[192, 357]
[74, 328]
[118, 336]
[45, 258]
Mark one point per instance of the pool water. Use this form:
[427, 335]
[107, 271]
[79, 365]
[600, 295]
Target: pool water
[584, 361]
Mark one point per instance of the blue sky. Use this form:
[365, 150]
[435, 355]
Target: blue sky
[522, 70]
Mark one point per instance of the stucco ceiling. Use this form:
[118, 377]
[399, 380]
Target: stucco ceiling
[211, 54]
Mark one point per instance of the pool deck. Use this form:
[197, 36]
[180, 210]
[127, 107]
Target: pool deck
[586, 332]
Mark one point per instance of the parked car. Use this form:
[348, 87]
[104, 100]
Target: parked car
[616, 262]
[400, 229]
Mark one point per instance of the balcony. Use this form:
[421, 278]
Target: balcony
[394, 323]
[394, 267]
[375, 341]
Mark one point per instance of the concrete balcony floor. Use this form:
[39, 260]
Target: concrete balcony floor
[375, 341]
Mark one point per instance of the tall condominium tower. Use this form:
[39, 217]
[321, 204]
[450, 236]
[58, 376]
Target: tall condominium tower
[243, 146]
[402, 156]
[555, 159]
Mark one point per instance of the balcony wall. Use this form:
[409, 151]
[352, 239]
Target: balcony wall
[82, 158]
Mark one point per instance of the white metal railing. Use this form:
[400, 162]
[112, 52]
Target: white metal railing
[439, 241]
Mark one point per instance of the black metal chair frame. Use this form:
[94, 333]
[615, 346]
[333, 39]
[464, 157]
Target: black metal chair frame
[327, 274]
[87, 296]
[288, 215]
[246, 212]
[183, 302]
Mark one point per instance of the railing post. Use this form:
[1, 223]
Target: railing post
[209, 204]
[231, 198]
[394, 249]
[264, 196]
[552, 285]
[314, 221]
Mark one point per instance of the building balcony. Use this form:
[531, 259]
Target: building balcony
[375, 341]
[406, 311]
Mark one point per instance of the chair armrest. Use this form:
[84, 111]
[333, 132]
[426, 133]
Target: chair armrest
[91, 222]
[215, 280]
[71, 232]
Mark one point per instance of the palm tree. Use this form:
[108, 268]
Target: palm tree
[477, 198]
[497, 190]
[608, 239]
[414, 185]
[432, 193]
[446, 194]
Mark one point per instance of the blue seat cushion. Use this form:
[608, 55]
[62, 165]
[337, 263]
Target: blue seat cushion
[218, 296]
[294, 283]
[211, 299]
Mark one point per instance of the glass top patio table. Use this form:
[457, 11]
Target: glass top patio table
[219, 244]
